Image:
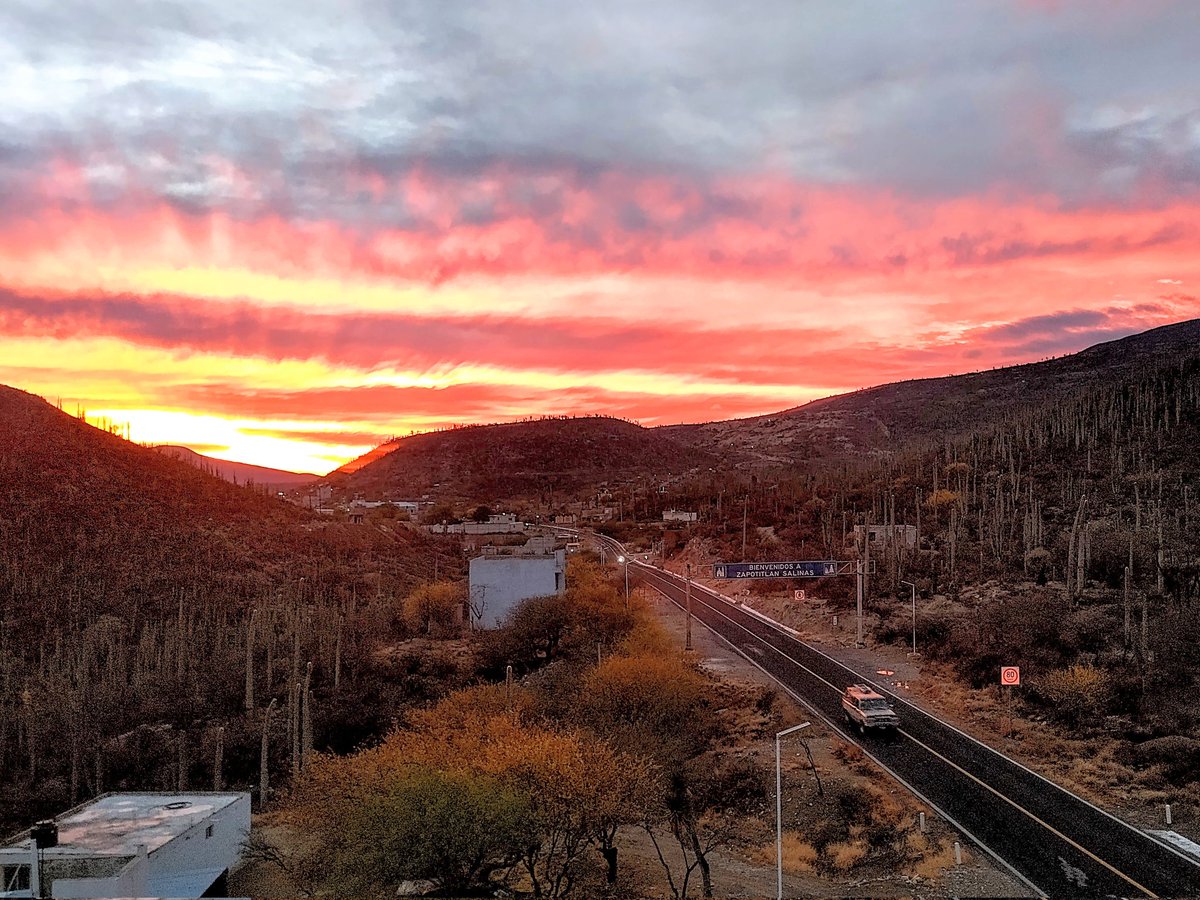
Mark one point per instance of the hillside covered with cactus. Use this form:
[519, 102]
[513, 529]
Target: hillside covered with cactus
[127, 581]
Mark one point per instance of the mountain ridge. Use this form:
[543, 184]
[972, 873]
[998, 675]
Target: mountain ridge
[882, 417]
[508, 459]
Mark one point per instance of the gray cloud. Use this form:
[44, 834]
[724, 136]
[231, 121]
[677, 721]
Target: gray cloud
[1084, 101]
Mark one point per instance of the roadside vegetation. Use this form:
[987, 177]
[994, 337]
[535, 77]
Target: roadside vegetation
[526, 779]
[1063, 538]
[538, 780]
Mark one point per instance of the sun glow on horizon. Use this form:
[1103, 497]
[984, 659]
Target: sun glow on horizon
[237, 440]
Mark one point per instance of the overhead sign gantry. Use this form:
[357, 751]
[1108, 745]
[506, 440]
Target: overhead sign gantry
[805, 568]
[821, 568]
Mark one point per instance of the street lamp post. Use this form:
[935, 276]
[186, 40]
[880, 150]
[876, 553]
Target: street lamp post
[779, 807]
[622, 559]
[914, 614]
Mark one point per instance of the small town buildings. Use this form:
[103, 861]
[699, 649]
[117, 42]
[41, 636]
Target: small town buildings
[597, 514]
[501, 523]
[499, 581]
[132, 845]
[318, 498]
[679, 515]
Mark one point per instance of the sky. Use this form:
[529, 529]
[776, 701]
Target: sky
[283, 232]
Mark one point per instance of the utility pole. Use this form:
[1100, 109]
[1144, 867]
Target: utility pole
[745, 506]
[625, 561]
[864, 558]
[688, 604]
[858, 639]
[914, 615]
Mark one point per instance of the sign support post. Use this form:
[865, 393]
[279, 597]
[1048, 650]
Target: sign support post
[858, 640]
[1010, 677]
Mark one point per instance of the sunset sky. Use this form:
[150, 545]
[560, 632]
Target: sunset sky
[280, 232]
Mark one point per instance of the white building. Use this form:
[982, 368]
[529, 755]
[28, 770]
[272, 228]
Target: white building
[679, 515]
[133, 845]
[499, 583]
[905, 535]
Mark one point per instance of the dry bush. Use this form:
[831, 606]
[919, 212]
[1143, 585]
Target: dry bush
[436, 604]
[934, 862]
[799, 856]
[657, 706]
[1075, 694]
[916, 844]
[843, 857]
[1176, 756]
[646, 638]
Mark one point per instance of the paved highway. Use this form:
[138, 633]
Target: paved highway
[1059, 844]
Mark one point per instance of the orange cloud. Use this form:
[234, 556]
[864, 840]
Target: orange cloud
[656, 298]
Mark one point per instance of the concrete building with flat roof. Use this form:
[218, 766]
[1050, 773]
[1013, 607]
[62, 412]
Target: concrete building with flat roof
[133, 845]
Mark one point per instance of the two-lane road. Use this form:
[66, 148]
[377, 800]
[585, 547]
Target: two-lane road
[1061, 845]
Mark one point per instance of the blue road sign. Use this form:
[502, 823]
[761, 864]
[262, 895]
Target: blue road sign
[803, 569]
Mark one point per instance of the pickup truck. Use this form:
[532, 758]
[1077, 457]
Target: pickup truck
[868, 710]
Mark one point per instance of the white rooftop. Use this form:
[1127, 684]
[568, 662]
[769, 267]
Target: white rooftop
[117, 824]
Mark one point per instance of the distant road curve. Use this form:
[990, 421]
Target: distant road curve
[1057, 843]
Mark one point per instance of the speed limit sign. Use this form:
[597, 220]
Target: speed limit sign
[1010, 675]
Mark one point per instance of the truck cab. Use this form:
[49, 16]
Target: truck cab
[868, 710]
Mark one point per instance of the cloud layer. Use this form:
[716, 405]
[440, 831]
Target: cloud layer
[334, 222]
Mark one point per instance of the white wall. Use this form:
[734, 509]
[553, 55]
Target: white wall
[131, 882]
[194, 852]
[499, 583]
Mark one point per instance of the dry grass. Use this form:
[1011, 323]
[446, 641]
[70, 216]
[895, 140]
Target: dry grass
[938, 860]
[853, 757]
[845, 856]
[799, 856]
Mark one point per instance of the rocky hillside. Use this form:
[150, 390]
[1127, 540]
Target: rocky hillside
[126, 581]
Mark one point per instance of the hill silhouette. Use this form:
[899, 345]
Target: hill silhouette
[519, 458]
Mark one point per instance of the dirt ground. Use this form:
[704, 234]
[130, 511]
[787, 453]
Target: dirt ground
[748, 870]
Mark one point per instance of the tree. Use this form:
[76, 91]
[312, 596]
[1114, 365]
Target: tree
[440, 512]
[481, 514]
[575, 791]
[437, 603]
[456, 828]
[379, 824]
[654, 706]
[701, 806]
[624, 786]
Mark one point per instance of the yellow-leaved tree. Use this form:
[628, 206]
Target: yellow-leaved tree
[566, 791]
